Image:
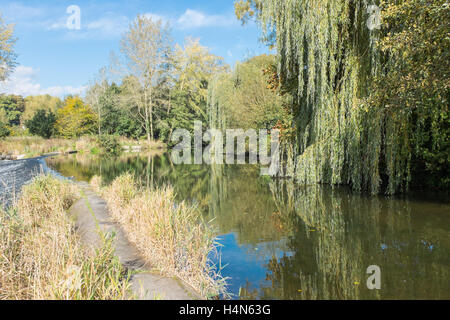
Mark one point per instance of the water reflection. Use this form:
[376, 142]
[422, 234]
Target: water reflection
[281, 241]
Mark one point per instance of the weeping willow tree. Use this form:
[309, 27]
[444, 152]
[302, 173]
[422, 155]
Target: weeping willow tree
[330, 59]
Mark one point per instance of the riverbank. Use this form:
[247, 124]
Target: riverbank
[41, 256]
[171, 236]
[150, 277]
[12, 148]
[93, 219]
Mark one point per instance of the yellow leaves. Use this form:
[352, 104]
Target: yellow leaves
[195, 65]
[75, 118]
[243, 10]
[7, 41]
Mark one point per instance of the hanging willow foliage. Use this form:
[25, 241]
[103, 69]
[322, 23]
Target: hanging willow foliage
[327, 50]
[330, 57]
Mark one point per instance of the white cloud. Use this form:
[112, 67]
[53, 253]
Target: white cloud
[156, 17]
[60, 24]
[196, 19]
[23, 82]
[108, 26]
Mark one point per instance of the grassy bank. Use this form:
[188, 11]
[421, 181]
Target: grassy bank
[37, 146]
[40, 252]
[171, 236]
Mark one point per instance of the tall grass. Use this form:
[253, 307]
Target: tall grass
[37, 146]
[40, 253]
[34, 146]
[170, 235]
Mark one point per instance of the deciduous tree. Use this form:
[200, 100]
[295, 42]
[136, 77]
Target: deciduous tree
[75, 119]
[146, 49]
[42, 124]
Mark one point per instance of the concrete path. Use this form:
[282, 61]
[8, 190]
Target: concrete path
[91, 214]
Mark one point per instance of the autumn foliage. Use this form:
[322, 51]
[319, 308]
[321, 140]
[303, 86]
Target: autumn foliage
[75, 119]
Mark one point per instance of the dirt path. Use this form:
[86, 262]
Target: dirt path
[91, 213]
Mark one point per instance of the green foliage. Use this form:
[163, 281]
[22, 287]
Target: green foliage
[193, 68]
[178, 95]
[11, 109]
[117, 119]
[4, 131]
[249, 97]
[109, 144]
[42, 124]
[352, 126]
[75, 119]
[413, 87]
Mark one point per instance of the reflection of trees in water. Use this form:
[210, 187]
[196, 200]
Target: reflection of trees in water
[332, 235]
[339, 234]
[241, 203]
[191, 182]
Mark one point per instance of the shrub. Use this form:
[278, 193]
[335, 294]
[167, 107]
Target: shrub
[42, 124]
[4, 131]
[109, 144]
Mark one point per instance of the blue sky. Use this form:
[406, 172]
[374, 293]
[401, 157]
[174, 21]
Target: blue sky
[55, 60]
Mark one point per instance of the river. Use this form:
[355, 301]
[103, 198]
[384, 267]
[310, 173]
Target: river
[282, 241]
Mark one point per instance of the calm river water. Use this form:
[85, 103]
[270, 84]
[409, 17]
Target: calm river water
[282, 241]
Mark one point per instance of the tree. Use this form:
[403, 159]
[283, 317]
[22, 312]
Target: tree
[42, 124]
[194, 69]
[370, 106]
[75, 119]
[94, 94]
[11, 109]
[414, 90]
[146, 49]
[116, 118]
[7, 54]
[249, 97]
[42, 102]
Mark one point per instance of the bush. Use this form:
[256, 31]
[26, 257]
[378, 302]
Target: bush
[4, 131]
[42, 124]
[109, 144]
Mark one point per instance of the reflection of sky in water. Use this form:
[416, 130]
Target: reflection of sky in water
[246, 263]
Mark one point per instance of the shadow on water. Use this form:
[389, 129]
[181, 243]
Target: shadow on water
[282, 241]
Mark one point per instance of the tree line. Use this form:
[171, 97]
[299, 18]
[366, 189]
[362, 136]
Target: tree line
[151, 88]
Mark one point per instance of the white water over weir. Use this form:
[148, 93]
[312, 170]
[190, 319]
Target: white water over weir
[15, 174]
